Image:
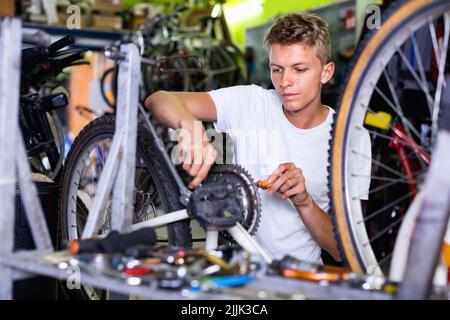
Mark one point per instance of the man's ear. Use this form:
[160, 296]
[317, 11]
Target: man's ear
[327, 72]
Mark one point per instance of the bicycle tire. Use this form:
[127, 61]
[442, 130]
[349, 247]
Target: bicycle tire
[103, 80]
[179, 233]
[398, 19]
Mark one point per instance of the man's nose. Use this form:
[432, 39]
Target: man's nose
[286, 79]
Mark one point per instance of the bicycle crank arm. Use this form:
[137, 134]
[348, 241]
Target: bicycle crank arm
[212, 240]
[245, 240]
[162, 220]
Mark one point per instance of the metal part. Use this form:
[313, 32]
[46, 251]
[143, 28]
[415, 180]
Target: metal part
[247, 192]
[246, 241]
[122, 157]
[161, 63]
[10, 41]
[431, 225]
[162, 220]
[216, 206]
[127, 101]
[212, 240]
[14, 162]
[185, 193]
[113, 53]
[37, 38]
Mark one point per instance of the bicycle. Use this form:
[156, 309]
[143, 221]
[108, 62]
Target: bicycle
[227, 199]
[390, 94]
[163, 35]
[41, 127]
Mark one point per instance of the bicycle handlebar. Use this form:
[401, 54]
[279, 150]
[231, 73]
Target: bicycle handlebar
[39, 38]
[114, 53]
[61, 43]
[41, 64]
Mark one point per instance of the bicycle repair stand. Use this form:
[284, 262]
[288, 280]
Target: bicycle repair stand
[14, 161]
[118, 171]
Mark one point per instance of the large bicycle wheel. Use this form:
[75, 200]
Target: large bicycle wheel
[394, 92]
[155, 194]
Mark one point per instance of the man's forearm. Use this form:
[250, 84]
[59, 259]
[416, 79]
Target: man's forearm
[168, 109]
[319, 225]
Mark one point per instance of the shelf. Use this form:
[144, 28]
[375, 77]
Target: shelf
[265, 287]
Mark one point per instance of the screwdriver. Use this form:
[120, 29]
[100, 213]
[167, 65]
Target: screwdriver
[114, 242]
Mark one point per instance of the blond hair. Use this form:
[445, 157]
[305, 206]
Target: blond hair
[305, 28]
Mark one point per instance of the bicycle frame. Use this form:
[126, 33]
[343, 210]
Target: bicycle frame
[120, 166]
[401, 142]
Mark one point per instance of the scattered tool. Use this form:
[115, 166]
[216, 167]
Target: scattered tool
[263, 184]
[114, 242]
[294, 268]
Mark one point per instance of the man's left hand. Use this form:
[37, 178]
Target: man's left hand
[288, 180]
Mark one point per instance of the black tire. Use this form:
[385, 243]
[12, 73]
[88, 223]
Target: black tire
[179, 233]
[111, 72]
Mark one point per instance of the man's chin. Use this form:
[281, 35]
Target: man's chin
[292, 107]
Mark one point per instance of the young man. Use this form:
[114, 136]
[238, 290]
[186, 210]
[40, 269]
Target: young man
[279, 135]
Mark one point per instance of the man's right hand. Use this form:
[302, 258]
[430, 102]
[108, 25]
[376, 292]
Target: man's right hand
[195, 151]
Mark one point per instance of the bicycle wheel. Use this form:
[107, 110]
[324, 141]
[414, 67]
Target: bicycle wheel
[156, 193]
[394, 92]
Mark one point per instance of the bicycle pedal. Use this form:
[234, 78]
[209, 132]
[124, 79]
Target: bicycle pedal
[216, 206]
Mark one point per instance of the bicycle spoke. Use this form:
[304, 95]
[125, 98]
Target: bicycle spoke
[386, 207]
[384, 186]
[413, 155]
[390, 125]
[150, 203]
[398, 108]
[386, 258]
[380, 178]
[380, 164]
[434, 39]
[402, 142]
[101, 154]
[405, 121]
[389, 227]
[384, 136]
[441, 77]
[84, 212]
[145, 179]
[420, 65]
[416, 77]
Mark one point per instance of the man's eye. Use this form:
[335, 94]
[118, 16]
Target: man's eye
[301, 70]
[276, 70]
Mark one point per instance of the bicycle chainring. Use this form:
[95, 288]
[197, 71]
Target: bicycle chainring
[247, 193]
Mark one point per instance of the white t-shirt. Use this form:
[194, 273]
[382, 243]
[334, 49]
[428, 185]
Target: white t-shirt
[264, 138]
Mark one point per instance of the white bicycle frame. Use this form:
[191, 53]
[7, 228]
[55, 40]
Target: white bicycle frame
[120, 167]
[402, 244]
